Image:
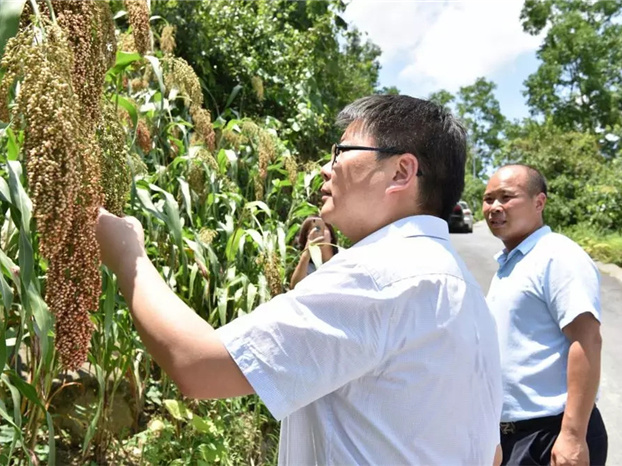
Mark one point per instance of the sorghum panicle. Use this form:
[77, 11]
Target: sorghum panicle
[257, 85]
[267, 152]
[180, 75]
[115, 155]
[167, 39]
[292, 169]
[49, 112]
[63, 165]
[138, 14]
[271, 269]
[89, 27]
[203, 126]
[143, 136]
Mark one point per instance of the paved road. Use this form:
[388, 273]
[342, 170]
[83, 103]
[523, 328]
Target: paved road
[477, 250]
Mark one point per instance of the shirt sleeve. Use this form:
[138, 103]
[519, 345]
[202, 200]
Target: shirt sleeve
[572, 283]
[309, 342]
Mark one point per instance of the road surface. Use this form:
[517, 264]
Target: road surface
[477, 250]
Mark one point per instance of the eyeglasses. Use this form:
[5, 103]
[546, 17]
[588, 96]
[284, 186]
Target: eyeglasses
[337, 149]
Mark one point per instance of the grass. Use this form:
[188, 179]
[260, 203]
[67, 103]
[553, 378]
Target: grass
[603, 247]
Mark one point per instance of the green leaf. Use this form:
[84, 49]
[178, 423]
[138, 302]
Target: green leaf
[26, 389]
[12, 145]
[7, 417]
[251, 294]
[129, 107]
[10, 13]
[259, 205]
[256, 236]
[7, 295]
[3, 353]
[120, 14]
[223, 299]
[19, 198]
[157, 69]
[201, 425]
[10, 266]
[185, 192]
[16, 397]
[144, 196]
[5, 193]
[51, 440]
[26, 258]
[171, 209]
[236, 90]
[176, 409]
[43, 319]
[108, 305]
[124, 59]
[233, 244]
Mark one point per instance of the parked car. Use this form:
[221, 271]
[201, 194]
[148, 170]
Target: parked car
[461, 219]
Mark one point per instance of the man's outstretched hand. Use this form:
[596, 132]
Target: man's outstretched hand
[121, 240]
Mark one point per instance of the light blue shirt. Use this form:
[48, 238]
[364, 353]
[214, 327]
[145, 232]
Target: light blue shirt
[387, 354]
[541, 286]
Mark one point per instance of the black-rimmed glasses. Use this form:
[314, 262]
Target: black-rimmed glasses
[337, 149]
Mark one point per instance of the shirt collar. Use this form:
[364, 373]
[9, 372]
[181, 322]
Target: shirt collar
[416, 225]
[525, 246]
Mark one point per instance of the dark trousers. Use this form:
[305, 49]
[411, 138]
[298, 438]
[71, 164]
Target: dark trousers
[530, 442]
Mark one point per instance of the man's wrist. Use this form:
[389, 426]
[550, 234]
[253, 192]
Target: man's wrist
[128, 263]
[571, 428]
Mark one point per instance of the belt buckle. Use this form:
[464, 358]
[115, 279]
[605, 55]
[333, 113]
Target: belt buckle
[507, 427]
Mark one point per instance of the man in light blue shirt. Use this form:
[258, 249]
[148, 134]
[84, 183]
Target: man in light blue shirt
[545, 299]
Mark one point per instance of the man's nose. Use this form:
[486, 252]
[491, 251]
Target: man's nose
[327, 170]
[496, 206]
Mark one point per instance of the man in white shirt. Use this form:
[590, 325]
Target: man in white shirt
[388, 353]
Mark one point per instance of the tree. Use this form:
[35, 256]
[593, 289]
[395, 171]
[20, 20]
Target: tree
[568, 160]
[294, 61]
[442, 97]
[578, 84]
[478, 109]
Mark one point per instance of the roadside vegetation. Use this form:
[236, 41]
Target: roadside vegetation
[207, 121]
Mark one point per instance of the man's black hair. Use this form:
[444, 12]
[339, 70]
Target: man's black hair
[424, 129]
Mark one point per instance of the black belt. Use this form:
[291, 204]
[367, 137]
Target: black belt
[529, 424]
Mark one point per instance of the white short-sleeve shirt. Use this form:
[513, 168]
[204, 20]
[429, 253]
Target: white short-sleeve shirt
[387, 354]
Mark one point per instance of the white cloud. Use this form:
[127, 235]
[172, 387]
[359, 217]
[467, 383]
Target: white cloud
[443, 44]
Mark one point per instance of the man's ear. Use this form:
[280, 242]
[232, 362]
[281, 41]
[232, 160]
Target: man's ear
[405, 169]
[540, 202]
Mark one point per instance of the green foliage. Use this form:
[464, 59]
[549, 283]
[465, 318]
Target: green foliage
[219, 222]
[478, 109]
[566, 159]
[604, 247]
[9, 20]
[218, 432]
[473, 194]
[289, 50]
[578, 83]
[603, 197]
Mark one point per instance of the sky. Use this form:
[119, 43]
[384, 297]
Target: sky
[428, 45]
